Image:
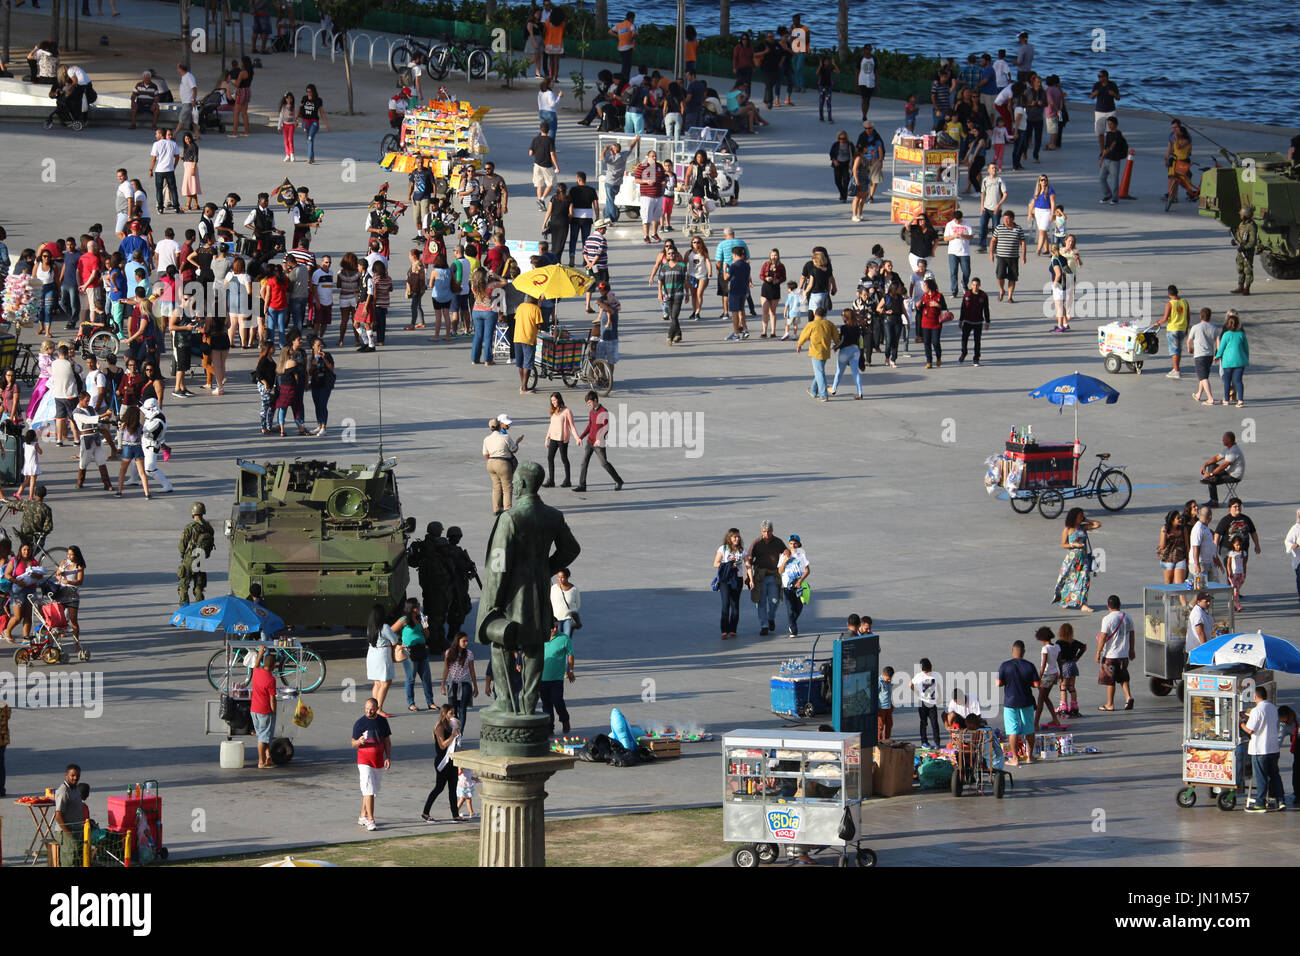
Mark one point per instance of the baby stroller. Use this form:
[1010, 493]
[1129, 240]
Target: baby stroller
[210, 108]
[63, 113]
[697, 216]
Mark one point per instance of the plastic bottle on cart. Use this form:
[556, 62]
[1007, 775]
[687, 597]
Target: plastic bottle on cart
[1029, 435]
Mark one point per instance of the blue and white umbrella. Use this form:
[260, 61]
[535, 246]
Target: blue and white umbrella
[1076, 390]
[1257, 650]
[234, 615]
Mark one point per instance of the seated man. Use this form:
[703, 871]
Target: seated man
[145, 97]
[960, 707]
[1230, 466]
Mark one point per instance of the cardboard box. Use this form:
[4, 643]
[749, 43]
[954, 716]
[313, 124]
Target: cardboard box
[661, 747]
[892, 768]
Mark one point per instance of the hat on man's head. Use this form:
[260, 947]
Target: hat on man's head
[600, 224]
[504, 420]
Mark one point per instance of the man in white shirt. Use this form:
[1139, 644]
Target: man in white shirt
[63, 386]
[1114, 651]
[122, 202]
[957, 235]
[322, 296]
[927, 686]
[1002, 70]
[866, 79]
[168, 251]
[96, 385]
[1292, 544]
[188, 98]
[1200, 622]
[1202, 555]
[1228, 467]
[963, 705]
[162, 166]
[1264, 747]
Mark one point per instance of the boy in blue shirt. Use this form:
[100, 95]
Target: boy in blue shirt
[793, 306]
[885, 705]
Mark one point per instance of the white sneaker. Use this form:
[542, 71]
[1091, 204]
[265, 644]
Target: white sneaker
[362, 821]
[1173, 374]
[285, 160]
[370, 825]
[292, 158]
[857, 218]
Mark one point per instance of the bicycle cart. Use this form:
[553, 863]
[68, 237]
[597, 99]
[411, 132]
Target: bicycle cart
[1126, 343]
[572, 360]
[295, 665]
[793, 792]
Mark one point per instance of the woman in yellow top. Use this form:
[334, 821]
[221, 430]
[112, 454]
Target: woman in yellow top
[1175, 322]
[821, 336]
[1178, 157]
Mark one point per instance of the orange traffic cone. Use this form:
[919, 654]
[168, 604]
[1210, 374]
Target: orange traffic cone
[1126, 177]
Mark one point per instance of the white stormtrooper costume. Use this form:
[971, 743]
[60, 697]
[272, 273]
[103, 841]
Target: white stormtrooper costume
[154, 431]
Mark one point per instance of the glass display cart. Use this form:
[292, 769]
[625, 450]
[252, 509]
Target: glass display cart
[1216, 701]
[1165, 608]
[793, 789]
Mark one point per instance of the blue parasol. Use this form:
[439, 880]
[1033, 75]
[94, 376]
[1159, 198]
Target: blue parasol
[234, 615]
[1257, 650]
[1076, 390]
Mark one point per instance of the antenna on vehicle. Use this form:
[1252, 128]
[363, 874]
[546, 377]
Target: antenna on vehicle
[379, 371]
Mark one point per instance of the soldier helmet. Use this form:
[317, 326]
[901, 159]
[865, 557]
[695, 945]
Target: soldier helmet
[1247, 211]
[454, 534]
[198, 508]
[433, 529]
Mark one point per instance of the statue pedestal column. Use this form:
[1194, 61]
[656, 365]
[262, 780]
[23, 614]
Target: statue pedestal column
[513, 831]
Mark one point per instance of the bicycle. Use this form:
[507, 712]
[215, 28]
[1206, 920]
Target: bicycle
[290, 661]
[473, 59]
[1108, 484]
[553, 359]
[1179, 175]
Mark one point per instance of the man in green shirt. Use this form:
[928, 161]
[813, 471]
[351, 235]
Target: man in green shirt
[557, 664]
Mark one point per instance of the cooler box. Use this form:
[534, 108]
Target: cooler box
[122, 816]
[791, 696]
[1047, 464]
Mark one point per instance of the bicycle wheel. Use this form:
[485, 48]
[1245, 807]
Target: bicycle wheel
[441, 61]
[570, 377]
[103, 344]
[389, 144]
[478, 63]
[399, 58]
[531, 383]
[601, 376]
[307, 665]
[220, 668]
[1114, 490]
[1023, 503]
[1051, 503]
[1169, 196]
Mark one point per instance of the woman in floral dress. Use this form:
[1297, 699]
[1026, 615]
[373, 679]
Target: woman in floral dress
[1076, 569]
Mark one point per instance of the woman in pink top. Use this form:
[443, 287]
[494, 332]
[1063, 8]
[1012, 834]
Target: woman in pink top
[558, 433]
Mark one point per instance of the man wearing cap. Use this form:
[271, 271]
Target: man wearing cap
[262, 221]
[761, 576]
[225, 220]
[1246, 238]
[1024, 58]
[196, 544]
[38, 519]
[499, 450]
[870, 141]
[595, 256]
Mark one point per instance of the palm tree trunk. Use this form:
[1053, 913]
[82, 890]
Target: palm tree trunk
[842, 29]
[55, 11]
[724, 17]
[347, 71]
[185, 30]
[489, 10]
[602, 14]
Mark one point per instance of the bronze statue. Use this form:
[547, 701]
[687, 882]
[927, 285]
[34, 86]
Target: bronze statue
[529, 543]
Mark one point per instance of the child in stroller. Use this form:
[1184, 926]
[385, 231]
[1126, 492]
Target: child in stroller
[210, 109]
[63, 111]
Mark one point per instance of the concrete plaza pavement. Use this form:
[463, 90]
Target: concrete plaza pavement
[886, 493]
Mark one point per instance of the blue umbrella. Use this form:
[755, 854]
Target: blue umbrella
[234, 615]
[1076, 390]
[1257, 649]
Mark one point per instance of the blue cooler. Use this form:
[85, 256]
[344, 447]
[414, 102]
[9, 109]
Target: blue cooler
[799, 696]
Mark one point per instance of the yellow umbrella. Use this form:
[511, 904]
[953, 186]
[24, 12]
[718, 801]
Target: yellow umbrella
[553, 282]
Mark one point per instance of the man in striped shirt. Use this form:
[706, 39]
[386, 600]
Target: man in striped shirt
[595, 256]
[650, 178]
[1008, 253]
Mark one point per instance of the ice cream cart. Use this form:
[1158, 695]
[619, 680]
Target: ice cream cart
[923, 180]
[1216, 701]
[793, 789]
[1165, 608]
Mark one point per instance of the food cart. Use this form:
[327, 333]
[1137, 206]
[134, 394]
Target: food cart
[1126, 343]
[793, 789]
[1165, 608]
[923, 179]
[233, 707]
[1217, 700]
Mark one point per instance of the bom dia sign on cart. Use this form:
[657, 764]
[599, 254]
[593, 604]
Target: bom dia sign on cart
[1205, 765]
[783, 824]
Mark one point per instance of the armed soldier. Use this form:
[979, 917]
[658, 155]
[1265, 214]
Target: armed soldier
[197, 542]
[432, 558]
[38, 520]
[465, 570]
[1246, 238]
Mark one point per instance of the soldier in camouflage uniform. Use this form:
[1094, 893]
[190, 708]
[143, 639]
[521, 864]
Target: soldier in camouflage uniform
[197, 542]
[38, 520]
[432, 559]
[466, 570]
[1246, 238]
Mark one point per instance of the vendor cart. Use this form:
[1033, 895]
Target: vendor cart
[1165, 608]
[721, 150]
[1126, 343]
[236, 693]
[802, 688]
[793, 791]
[1217, 700]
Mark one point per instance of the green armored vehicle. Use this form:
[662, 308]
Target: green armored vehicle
[324, 543]
[1269, 185]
